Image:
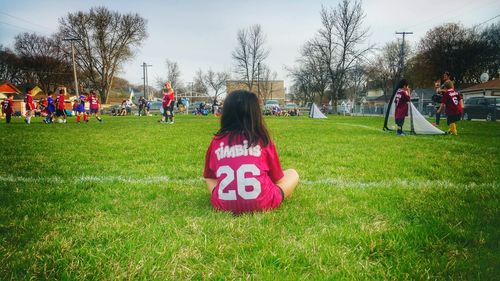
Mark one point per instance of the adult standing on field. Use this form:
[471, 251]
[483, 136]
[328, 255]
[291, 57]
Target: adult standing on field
[401, 99]
[440, 90]
[168, 103]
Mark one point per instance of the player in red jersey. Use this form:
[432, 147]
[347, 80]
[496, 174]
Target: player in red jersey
[8, 108]
[242, 168]
[454, 104]
[168, 103]
[60, 106]
[30, 107]
[94, 105]
[401, 99]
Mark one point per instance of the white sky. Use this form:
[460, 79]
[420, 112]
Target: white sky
[202, 34]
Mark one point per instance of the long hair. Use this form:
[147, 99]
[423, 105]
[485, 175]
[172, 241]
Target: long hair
[241, 115]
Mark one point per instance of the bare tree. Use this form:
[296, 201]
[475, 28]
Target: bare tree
[339, 41]
[215, 81]
[250, 53]
[302, 88]
[42, 61]
[106, 40]
[267, 78]
[384, 70]
[199, 87]
[10, 63]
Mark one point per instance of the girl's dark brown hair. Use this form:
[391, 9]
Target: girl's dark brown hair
[241, 114]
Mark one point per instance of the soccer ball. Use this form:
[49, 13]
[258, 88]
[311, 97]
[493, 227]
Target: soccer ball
[60, 121]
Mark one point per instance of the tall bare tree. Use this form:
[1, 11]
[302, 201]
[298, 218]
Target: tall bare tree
[173, 75]
[215, 81]
[250, 53]
[106, 39]
[340, 41]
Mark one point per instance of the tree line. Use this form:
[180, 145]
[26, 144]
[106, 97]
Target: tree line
[336, 63]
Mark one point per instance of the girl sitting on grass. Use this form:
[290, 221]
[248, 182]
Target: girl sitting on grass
[242, 168]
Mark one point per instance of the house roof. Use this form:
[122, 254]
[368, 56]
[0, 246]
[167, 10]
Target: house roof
[7, 87]
[492, 84]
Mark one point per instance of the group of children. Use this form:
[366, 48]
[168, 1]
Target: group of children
[450, 100]
[55, 107]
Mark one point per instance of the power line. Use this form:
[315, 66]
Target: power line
[19, 27]
[26, 21]
[453, 12]
[487, 20]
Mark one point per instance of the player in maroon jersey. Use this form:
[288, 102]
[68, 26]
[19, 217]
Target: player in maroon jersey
[8, 108]
[94, 105]
[30, 107]
[401, 99]
[454, 104]
[242, 168]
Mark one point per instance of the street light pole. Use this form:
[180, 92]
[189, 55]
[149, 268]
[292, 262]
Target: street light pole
[71, 40]
[145, 76]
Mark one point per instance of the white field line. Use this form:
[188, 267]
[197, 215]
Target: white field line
[333, 182]
[361, 126]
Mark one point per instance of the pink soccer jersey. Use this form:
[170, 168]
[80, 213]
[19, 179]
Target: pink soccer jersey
[401, 100]
[94, 102]
[245, 175]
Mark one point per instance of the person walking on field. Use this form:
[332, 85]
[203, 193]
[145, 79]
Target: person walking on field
[401, 99]
[242, 168]
[454, 105]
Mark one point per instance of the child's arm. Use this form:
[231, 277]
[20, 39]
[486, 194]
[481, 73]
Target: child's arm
[211, 183]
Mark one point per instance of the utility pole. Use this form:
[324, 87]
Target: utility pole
[258, 79]
[72, 40]
[145, 76]
[402, 52]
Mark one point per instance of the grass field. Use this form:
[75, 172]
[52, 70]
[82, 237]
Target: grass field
[125, 199]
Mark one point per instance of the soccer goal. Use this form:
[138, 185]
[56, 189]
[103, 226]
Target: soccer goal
[415, 122]
[314, 112]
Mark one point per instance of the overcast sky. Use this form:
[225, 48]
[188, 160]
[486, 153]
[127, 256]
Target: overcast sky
[202, 34]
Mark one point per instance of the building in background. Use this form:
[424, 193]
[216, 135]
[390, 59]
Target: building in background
[266, 90]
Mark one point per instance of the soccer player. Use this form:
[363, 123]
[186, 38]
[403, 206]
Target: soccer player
[454, 104]
[401, 99]
[242, 168]
[60, 106]
[94, 105]
[30, 107]
[8, 108]
[51, 108]
[80, 109]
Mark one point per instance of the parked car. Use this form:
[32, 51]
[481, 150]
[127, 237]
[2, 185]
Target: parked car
[269, 104]
[482, 108]
[289, 106]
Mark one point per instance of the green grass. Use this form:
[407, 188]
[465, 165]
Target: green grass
[125, 199]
